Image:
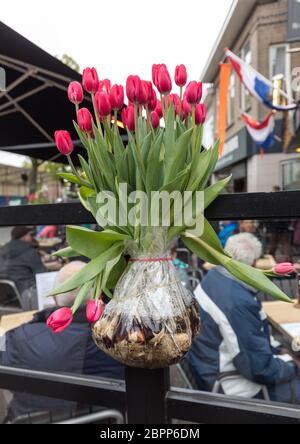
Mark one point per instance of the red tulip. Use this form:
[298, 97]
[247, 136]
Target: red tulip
[193, 92]
[64, 142]
[158, 109]
[142, 96]
[75, 93]
[94, 311]
[85, 120]
[152, 99]
[116, 97]
[164, 82]
[155, 69]
[176, 101]
[60, 320]
[103, 104]
[155, 120]
[200, 114]
[180, 75]
[128, 117]
[104, 85]
[133, 88]
[186, 107]
[90, 80]
[283, 269]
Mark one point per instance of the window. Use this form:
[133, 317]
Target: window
[246, 100]
[278, 60]
[208, 134]
[291, 175]
[231, 98]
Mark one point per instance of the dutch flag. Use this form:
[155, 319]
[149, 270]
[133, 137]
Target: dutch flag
[260, 87]
[261, 132]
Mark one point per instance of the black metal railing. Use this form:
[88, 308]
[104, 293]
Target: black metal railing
[146, 395]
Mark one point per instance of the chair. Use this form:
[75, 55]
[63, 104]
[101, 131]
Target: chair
[97, 417]
[111, 416]
[10, 298]
[184, 255]
[231, 376]
[194, 282]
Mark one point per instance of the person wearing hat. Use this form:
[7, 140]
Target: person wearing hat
[19, 259]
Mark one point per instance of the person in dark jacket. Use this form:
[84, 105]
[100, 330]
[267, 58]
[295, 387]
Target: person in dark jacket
[35, 347]
[19, 259]
[235, 335]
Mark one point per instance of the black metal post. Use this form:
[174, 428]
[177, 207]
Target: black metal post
[146, 392]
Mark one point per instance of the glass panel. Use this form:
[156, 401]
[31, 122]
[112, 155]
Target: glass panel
[278, 60]
[234, 343]
[291, 175]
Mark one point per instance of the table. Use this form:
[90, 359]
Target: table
[9, 322]
[284, 317]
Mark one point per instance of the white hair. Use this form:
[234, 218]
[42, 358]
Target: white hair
[66, 273]
[244, 247]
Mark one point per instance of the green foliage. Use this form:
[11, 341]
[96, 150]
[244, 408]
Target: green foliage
[167, 159]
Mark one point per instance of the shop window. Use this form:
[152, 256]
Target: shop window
[278, 60]
[291, 175]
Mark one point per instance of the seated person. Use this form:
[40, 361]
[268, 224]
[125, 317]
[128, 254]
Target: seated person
[34, 346]
[19, 259]
[247, 226]
[227, 229]
[235, 335]
[48, 232]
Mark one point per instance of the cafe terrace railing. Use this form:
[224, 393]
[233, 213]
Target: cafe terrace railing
[146, 397]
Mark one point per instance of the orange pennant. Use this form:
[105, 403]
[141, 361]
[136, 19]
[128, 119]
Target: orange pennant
[224, 87]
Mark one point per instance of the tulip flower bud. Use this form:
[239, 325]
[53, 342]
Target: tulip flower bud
[158, 109]
[176, 101]
[155, 120]
[164, 82]
[200, 114]
[94, 311]
[60, 320]
[85, 120]
[155, 70]
[152, 99]
[193, 92]
[104, 85]
[90, 80]
[180, 75]
[64, 142]
[186, 107]
[284, 269]
[142, 96]
[116, 97]
[133, 88]
[128, 117]
[75, 93]
[103, 104]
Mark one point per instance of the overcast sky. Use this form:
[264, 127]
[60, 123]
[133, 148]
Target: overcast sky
[122, 37]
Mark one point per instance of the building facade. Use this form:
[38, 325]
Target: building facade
[266, 34]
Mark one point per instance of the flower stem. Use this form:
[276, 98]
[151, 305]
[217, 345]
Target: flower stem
[194, 131]
[96, 114]
[84, 182]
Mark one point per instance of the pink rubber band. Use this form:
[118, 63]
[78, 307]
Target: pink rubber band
[164, 259]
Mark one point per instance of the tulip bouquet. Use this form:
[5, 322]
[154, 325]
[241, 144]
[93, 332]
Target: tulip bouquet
[156, 150]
